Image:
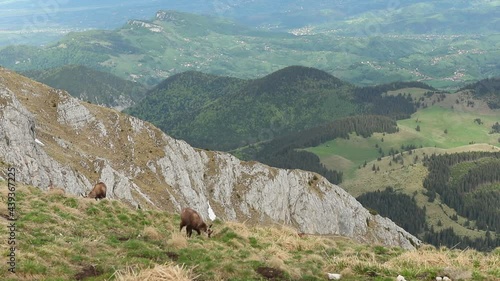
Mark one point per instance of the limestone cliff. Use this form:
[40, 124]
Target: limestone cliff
[52, 138]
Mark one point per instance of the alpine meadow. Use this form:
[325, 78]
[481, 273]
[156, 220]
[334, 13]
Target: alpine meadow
[313, 140]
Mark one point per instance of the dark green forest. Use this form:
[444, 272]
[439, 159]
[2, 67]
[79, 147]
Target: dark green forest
[400, 208]
[91, 85]
[486, 89]
[225, 113]
[403, 210]
[397, 107]
[447, 237]
[469, 182]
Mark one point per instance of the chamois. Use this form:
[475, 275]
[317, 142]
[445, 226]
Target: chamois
[192, 220]
[98, 192]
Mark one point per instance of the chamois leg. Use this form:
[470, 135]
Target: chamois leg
[189, 230]
[182, 225]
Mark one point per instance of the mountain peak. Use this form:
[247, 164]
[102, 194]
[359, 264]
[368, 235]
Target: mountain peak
[296, 75]
[300, 72]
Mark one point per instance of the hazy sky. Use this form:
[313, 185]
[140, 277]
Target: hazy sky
[92, 13]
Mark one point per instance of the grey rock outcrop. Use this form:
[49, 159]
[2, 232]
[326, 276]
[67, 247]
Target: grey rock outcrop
[85, 143]
[19, 148]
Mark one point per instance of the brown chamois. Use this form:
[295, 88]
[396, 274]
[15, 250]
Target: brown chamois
[98, 192]
[192, 220]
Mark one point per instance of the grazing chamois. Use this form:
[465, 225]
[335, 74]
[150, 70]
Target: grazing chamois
[192, 220]
[98, 192]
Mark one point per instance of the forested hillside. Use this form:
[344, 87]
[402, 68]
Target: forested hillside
[469, 183]
[225, 113]
[268, 119]
[91, 85]
[487, 89]
[404, 211]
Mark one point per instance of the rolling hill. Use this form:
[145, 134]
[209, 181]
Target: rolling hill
[91, 85]
[225, 113]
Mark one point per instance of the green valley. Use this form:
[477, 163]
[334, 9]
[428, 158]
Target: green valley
[461, 122]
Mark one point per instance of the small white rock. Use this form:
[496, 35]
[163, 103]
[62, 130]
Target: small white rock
[400, 278]
[334, 276]
[39, 142]
[211, 213]
[439, 278]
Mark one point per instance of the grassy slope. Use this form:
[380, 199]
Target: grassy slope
[60, 236]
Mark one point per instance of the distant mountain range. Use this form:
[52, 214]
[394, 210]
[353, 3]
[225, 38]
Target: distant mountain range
[401, 17]
[148, 51]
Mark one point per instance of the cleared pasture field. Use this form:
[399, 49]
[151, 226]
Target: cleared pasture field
[460, 127]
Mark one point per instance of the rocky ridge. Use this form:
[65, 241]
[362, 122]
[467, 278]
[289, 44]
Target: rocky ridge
[54, 139]
[151, 27]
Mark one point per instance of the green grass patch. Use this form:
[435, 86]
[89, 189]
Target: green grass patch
[38, 217]
[32, 267]
[71, 202]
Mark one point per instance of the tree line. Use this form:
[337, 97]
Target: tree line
[447, 237]
[403, 210]
[282, 152]
[398, 107]
[467, 182]
[488, 90]
[400, 208]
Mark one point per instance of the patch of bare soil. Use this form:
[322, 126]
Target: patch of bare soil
[271, 273]
[88, 271]
[173, 256]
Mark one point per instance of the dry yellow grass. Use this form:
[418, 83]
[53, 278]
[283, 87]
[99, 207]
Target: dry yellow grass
[151, 233]
[164, 272]
[241, 228]
[177, 241]
[427, 257]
